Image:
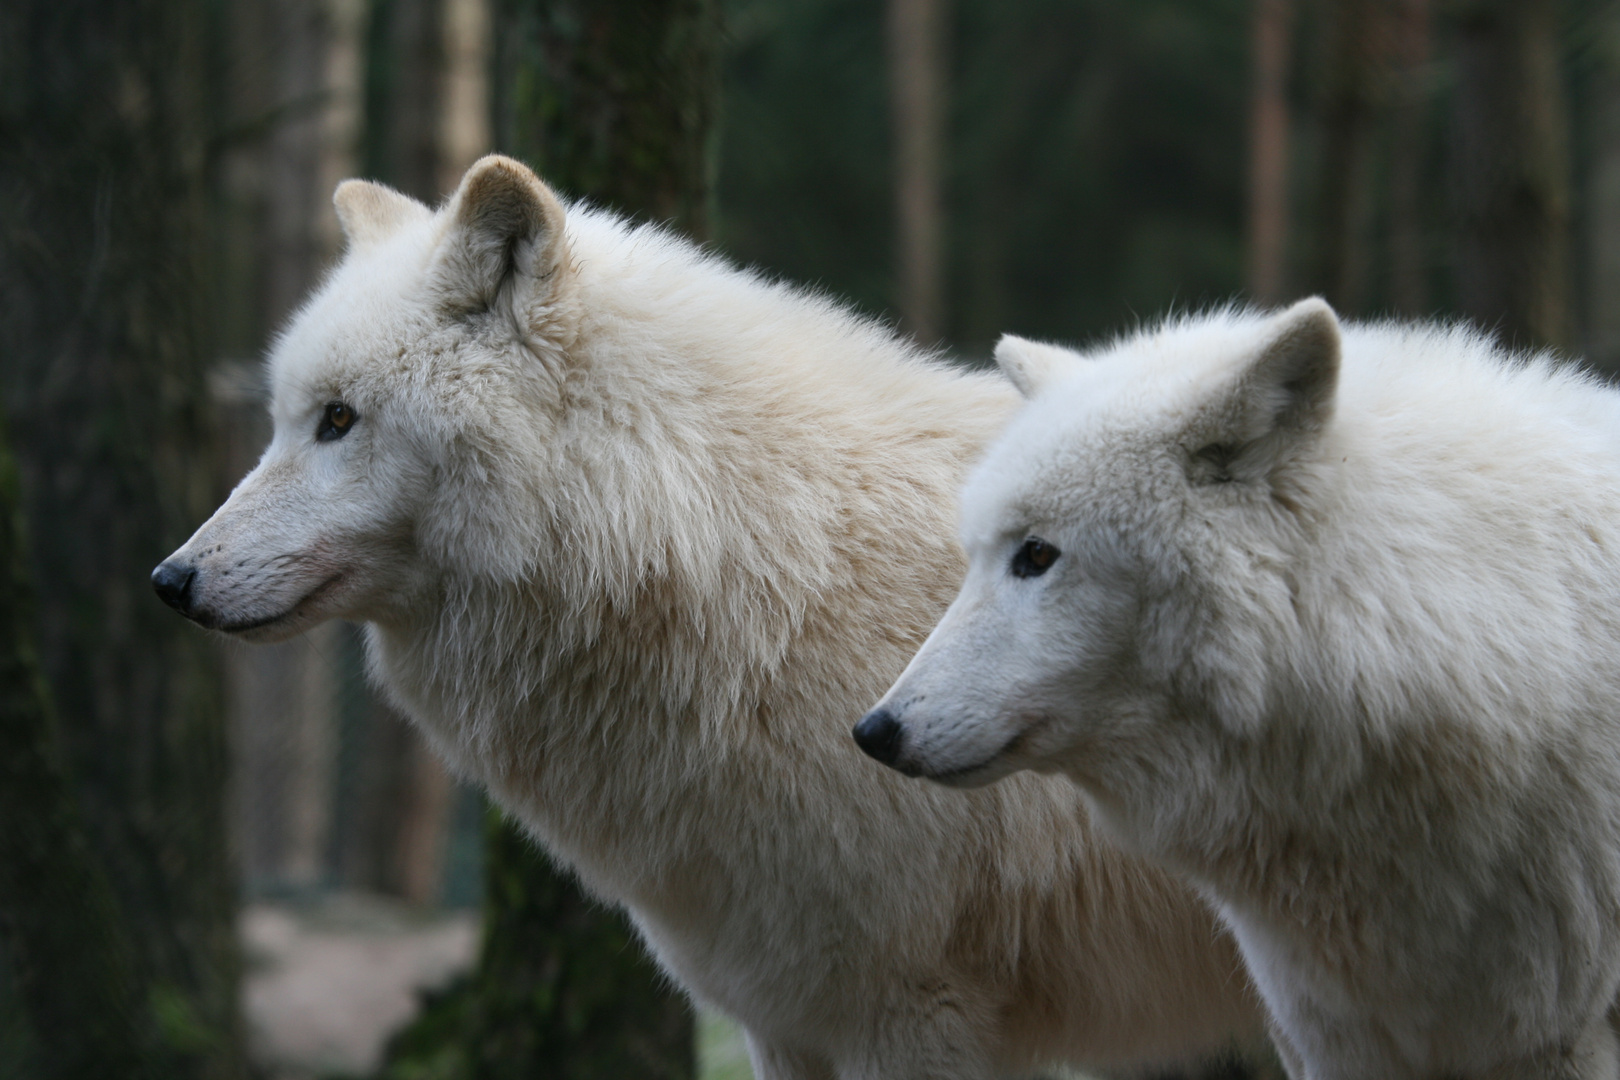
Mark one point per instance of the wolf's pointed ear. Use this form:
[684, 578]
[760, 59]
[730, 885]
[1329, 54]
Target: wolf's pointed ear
[1284, 397]
[371, 213]
[1030, 365]
[504, 235]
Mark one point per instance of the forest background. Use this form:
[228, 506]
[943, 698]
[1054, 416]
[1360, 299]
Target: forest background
[1061, 169]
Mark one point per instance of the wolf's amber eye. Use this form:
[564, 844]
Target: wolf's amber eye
[335, 424]
[1034, 558]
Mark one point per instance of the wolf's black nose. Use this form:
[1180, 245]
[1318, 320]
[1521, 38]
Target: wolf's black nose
[879, 734]
[173, 585]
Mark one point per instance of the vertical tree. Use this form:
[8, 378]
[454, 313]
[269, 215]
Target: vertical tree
[1511, 169]
[1268, 150]
[1602, 227]
[1408, 278]
[405, 75]
[425, 122]
[61, 933]
[916, 95]
[291, 86]
[1352, 81]
[105, 127]
[613, 100]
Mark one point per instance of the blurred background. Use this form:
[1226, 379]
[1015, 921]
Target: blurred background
[222, 862]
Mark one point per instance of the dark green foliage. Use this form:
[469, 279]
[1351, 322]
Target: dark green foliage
[105, 127]
[1095, 157]
[804, 176]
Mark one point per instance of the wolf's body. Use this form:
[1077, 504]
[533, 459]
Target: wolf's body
[636, 537]
[1341, 642]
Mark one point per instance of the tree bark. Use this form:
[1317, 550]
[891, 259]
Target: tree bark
[105, 128]
[423, 126]
[1408, 239]
[62, 934]
[1268, 150]
[614, 101]
[917, 96]
[565, 988]
[1351, 97]
[1511, 170]
[1602, 227]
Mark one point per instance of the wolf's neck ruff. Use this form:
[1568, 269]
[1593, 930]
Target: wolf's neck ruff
[700, 525]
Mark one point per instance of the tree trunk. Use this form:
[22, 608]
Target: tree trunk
[105, 125]
[464, 116]
[564, 987]
[1511, 170]
[1355, 32]
[1268, 150]
[426, 120]
[293, 89]
[917, 93]
[62, 934]
[613, 101]
[1408, 237]
[1602, 229]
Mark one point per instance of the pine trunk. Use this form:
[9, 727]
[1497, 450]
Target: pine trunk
[1408, 235]
[916, 94]
[423, 127]
[613, 101]
[105, 130]
[1268, 149]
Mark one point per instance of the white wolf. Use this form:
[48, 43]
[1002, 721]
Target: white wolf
[1329, 622]
[635, 535]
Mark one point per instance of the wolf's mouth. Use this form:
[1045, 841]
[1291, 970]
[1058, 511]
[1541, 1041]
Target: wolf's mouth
[989, 770]
[270, 620]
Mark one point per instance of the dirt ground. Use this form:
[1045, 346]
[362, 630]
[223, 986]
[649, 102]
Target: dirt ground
[329, 981]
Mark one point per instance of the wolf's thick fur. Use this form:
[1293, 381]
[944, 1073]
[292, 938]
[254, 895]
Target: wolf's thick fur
[1337, 638]
[636, 536]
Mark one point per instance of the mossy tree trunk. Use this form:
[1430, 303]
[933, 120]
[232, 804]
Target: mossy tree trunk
[614, 101]
[63, 937]
[105, 131]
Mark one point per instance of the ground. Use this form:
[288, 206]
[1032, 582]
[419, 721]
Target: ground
[330, 979]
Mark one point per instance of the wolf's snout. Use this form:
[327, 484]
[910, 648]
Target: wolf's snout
[879, 734]
[173, 584]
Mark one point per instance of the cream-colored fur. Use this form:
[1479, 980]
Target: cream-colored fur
[636, 536]
[1335, 631]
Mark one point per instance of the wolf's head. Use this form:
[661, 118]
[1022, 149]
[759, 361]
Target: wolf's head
[1121, 535]
[397, 394]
